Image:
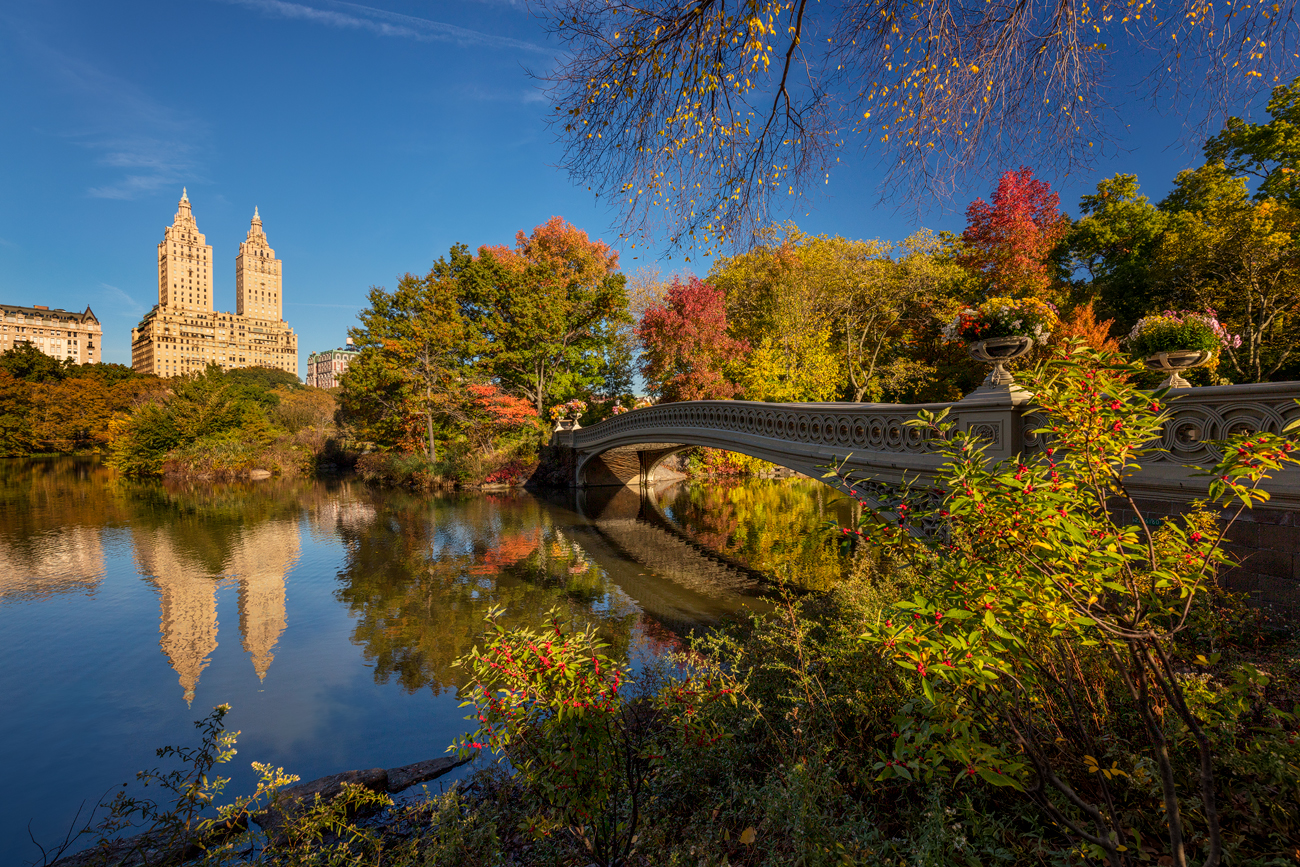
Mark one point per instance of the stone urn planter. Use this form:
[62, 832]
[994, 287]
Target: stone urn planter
[1175, 362]
[997, 351]
[567, 424]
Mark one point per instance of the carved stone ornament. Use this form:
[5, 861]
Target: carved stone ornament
[997, 351]
[1175, 362]
[567, 424]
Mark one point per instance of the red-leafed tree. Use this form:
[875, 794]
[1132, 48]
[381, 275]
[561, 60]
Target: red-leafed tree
[687, 349]
[1011, 240]
[491, 412]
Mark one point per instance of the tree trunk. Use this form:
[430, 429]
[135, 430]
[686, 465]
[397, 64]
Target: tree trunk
[428, 417]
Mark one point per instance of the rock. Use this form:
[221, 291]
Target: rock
[259, 475]
[293, 798]
[421, 772]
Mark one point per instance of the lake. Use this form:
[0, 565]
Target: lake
[328, 613]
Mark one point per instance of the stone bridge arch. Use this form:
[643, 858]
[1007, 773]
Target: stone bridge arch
[867, 438]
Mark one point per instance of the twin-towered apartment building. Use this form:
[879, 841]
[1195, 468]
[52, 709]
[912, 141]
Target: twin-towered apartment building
[184, 332]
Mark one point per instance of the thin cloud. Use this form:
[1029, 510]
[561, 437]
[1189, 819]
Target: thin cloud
[525, 96]
[145, 144]
[124, 304]
[5, 242]
[355, 16]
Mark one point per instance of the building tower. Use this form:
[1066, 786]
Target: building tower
[184, 263]
[257, 277]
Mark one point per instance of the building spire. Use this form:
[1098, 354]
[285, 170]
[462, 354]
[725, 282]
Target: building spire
[184, 195]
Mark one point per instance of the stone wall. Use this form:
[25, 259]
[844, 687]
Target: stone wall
[1265, 545]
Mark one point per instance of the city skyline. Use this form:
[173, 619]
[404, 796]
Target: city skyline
[374, 136]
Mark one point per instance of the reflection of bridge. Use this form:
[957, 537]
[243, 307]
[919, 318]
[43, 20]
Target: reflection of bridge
[873, 440]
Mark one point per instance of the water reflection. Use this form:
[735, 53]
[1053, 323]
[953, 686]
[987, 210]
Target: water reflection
[120, 599]
[49, 539]
[188, 567]
[777, 528]
[418, 573]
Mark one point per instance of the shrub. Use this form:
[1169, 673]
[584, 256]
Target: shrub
[557, 707]
[1053, 655]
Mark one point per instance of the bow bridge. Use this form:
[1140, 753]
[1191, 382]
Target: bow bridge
[873, 440]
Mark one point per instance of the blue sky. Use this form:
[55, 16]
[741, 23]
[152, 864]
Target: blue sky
[371, 137]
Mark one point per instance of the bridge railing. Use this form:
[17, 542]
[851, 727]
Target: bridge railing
[875, 435]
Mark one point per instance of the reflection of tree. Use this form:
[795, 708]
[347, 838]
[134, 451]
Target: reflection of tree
[421, 577]
[778, 527]
[53, 512]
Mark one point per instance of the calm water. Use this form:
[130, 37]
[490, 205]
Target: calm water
[326, 613]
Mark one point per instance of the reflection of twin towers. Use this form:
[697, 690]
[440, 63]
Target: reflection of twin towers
[257, 561]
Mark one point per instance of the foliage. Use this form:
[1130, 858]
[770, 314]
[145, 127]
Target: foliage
[414, 347]
[24, 361]
[1114, 242]
[800, 367]
[1042, 591]
[213, 425]
[1223, 251]
[57, 406]
[877, 302]
[1082, 324]
[691, 118]
[1171, 331]
[546, 311]
[15, 426]
[1269, 152]
[687, 352]
[1004, 317]
[1010, 242]
[554, 704]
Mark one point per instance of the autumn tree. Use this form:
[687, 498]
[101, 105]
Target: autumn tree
[687, 353]
[691, 117]
[1113, 243]
[1239, 257]
[547, 310]
[1011, 240]
[414, 348]
[16, 437]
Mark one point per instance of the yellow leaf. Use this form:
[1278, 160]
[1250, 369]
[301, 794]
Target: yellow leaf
[747, 836]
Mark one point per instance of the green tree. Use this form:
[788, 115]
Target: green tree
[414, 346]
[1114, 242]
[1268, 152]
[199, 406]
[548, 311]
[29, 364]
[1239, 257]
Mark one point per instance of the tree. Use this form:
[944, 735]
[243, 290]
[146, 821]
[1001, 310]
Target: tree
[691, 117]
[1114, 242]
[1238, 257]
[414, 350]
[15, 415]
[687, 350]
[873, 299]
[1011, 241]
[1268, 152]
[800, 365]
[24, 361]
[199, 406]
[547, 310]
